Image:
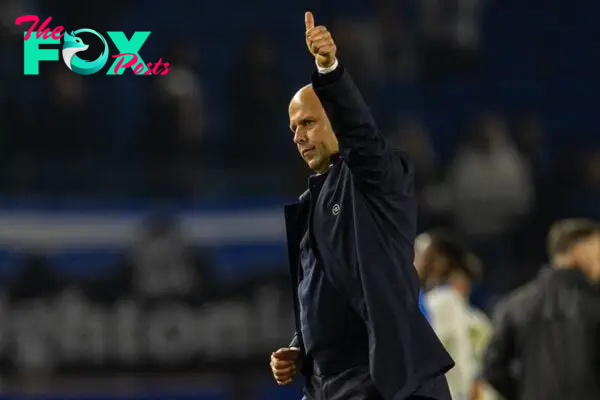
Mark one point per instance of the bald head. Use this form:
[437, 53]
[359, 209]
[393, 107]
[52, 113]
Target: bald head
[313, 135]
[304, 93]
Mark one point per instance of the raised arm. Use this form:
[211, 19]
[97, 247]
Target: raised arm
[362, 146]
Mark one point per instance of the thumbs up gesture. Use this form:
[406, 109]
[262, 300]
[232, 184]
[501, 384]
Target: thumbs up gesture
[319, 42]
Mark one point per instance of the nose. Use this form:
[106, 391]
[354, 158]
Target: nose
[299, 137]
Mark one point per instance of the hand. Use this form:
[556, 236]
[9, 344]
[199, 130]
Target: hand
[319, 42]
[284, 363]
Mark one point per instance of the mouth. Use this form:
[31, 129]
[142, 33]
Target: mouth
[306, 151]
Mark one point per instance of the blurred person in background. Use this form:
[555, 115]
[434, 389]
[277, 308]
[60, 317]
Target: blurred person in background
[362, 41]
[530, 235]
[450, 36]
[436, 257]
[385, 39]
[350, 241]
[489, 191]
[448, 270]
[174, 132]
[410, 136]
[398, 44]
[545, 344]
[164, 265]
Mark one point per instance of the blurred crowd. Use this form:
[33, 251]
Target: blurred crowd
[496, 123]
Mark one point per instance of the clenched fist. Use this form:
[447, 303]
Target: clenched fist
[319, 42]
[284, 363]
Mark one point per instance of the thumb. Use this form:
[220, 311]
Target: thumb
[309, 20]
[287, 354]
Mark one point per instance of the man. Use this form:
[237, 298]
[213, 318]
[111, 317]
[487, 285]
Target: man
[546, 343]
[447, 270]
[359, 331]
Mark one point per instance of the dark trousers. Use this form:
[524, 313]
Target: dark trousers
[351, 384]
[356, 384]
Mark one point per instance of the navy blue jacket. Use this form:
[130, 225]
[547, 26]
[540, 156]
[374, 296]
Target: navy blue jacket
[364, 228]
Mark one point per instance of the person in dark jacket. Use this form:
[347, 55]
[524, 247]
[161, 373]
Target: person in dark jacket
[359, 331]
[546, 343]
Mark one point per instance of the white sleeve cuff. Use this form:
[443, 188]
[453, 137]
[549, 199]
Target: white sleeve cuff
[328, 69]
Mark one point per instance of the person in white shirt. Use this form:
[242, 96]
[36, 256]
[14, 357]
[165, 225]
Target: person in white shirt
[447, 270]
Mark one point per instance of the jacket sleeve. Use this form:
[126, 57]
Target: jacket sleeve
[373, 163]
[500, 354]
[295, 341]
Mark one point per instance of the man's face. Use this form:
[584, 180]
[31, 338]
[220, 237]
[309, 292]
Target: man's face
[587, 256]
[313, 135]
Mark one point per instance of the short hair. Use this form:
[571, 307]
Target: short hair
[566, 233]
[457, 253]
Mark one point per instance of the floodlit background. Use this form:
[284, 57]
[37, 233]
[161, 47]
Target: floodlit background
[142, 246]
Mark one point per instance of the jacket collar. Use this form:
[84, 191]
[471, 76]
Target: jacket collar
[305, 195]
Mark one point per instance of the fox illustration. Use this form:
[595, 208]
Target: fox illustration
[73, 45]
